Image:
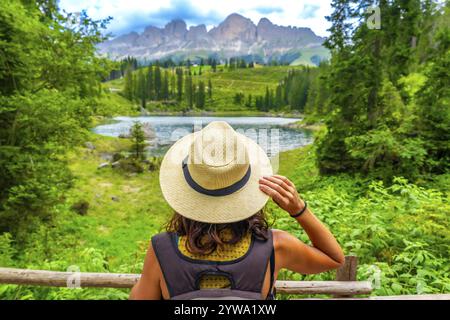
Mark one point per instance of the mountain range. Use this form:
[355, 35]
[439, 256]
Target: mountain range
[236, 36]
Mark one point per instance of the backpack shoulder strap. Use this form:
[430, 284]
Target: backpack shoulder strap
[178, 273]
[272, 293]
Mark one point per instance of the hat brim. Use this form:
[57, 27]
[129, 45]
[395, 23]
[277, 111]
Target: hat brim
[196, 206]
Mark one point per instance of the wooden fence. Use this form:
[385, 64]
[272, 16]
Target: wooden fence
[344, 287]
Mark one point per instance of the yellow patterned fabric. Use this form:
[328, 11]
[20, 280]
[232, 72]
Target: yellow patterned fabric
[225, 253]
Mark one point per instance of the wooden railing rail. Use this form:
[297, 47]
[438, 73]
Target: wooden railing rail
[345, 286]
[116, 280]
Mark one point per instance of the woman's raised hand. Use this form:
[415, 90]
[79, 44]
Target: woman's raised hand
[283, 192]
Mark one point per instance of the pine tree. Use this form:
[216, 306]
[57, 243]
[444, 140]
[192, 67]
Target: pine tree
[332, 153]
[138, 141]
[128, 90]
[193, 93]
[201, 95]
[158, 83]
[142, 88]
[249, 101]
[150, 84]
[173, 84]
[238, 98]
[279, 97]
[179, 73]
[370, 128]
[165, 86]
[188, 91]
[267, 100]
[433, 122]
[210, 88]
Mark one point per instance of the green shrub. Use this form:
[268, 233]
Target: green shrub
[154, 163]
[7, 251]
[117, 156]
[131, 165]
[81, 207]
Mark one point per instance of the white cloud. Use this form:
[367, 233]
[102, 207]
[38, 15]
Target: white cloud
[129, 15]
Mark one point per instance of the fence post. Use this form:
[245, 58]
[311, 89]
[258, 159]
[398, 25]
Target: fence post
[347, 272]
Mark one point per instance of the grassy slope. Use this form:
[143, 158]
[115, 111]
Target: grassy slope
[247, 81]
[112, 104]
[120, 227]
[226, 83]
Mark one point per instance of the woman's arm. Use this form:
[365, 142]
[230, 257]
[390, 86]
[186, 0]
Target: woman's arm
[148, 287]
[325, 254]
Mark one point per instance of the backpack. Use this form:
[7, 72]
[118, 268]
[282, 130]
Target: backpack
[246, 274]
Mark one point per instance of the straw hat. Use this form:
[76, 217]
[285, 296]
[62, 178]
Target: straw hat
[212, 175]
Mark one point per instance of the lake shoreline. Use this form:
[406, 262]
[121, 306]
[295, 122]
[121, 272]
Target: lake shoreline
[300, 125]
[243, 113]
[102, 120]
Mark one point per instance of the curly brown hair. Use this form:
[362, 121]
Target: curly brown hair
[204, 238]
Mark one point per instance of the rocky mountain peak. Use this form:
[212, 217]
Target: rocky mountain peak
[264, 22]
[236, 36]
[236, 18]
[234, 27]
[176, 28]
[197, 32]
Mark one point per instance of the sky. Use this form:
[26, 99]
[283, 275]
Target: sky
[135, 15]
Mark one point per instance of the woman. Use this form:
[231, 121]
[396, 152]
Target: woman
[218, 244]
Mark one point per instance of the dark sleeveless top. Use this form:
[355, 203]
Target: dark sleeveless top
[246, 274]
